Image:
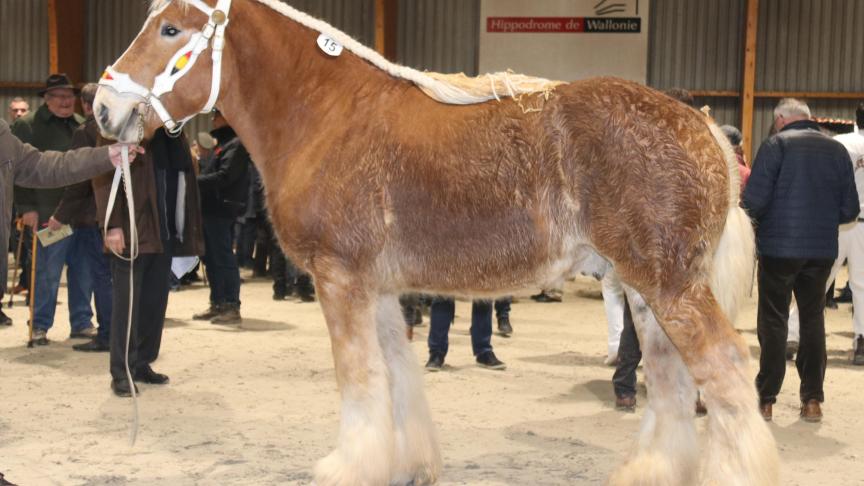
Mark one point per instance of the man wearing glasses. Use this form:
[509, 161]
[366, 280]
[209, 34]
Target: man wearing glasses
[50, 127]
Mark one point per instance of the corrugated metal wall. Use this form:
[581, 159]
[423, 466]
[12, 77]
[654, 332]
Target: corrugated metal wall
[696, 45]
[354, 17]
[802, 45]
[810, 45]
[24, 41]
[439, 35]
[23, 49]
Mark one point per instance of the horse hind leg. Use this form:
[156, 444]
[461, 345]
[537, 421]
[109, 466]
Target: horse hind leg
[416, 458]
[364, 455]
[740, 449]
[667, 448]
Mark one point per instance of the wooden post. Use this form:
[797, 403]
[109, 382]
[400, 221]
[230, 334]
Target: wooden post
[67, 20]
[749, 81]
[52, 36]
[385, 28]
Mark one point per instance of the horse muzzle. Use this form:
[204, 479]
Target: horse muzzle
[119, 116]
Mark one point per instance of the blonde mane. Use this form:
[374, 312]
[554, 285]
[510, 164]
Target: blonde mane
[455, 89]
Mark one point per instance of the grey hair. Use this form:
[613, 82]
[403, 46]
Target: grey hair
[791, 107]
[88, 93]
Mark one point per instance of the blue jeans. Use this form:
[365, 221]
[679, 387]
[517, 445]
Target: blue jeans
[49, 267]
[221, 264]
[441, 315]
[89, 276]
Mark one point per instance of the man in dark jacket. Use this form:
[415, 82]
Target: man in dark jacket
[50, 127]
[224, 186]
[88, 271]
[800, 191]
[168, 220]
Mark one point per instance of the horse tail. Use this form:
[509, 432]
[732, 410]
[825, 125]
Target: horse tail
[734, 255]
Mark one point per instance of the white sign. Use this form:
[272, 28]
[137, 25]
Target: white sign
[565, 39]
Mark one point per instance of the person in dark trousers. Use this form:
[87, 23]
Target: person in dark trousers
[224, 186]
[441, 315]
[629, 356]
[50, 127]
[168, 220]
[801, 189]
[88, 271]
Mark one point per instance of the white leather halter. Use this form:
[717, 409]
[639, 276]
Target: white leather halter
[180, 64]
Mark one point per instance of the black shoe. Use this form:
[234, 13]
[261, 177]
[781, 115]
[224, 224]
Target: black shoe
[40, 337]
[504, 327]
[306, 296]
[211, 312]
[488, 360]
[543, 297]
[845, 296]
[4, 321]
[279, 296]
[831, 304]
[95, 345]
[436, 361]
[147, 375]
[121, 388]
[858, 357]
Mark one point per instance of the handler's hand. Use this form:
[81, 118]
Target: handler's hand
[115, 241]
[53, 224]
[30, 218]
[114, 152]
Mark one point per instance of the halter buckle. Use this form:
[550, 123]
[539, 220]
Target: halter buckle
[218, 17]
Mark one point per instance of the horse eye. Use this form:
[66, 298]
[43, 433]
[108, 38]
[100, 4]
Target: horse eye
[169, 30]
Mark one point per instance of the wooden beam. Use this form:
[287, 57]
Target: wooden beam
[20, 85]
[749, 81]
[380, 15]
[52, 37]
[385, 28]
[808, 95]
[70, 22]
[813, 95]
[715, 93]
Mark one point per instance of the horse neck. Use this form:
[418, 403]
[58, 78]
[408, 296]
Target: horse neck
[283, 94]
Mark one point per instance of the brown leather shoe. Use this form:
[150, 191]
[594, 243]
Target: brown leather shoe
[767, 411]
[625, 404]
[811, 411]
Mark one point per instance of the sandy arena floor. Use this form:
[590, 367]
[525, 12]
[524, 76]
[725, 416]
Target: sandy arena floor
[257, 405]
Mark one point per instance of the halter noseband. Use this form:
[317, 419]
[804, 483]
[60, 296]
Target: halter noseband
[180, 64]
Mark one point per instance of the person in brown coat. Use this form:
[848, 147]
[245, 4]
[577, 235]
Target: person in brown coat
[168, 217]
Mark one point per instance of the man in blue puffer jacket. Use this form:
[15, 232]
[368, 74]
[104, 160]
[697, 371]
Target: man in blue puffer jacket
[800, 191]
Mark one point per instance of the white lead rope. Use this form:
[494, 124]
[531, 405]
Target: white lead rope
[124, 173]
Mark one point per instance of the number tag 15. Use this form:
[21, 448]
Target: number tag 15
[329, 46]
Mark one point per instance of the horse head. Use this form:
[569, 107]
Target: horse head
[164, 75]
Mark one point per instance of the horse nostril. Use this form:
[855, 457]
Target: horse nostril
[103, 115]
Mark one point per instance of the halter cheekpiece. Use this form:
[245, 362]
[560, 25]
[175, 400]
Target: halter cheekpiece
[180, 64]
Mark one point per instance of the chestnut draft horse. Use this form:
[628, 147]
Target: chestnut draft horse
[381, 180]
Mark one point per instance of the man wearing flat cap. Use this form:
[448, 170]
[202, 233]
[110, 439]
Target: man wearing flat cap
[50, 127]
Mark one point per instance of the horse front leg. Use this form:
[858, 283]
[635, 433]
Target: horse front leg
[364, 454]
[416, 457]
